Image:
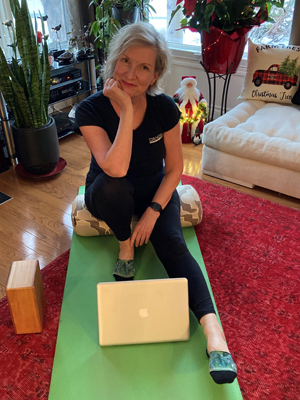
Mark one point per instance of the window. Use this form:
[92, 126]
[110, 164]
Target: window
[55, 10]
[280, 31]
[185, 39]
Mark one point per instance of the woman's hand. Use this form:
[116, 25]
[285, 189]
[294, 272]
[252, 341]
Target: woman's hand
[112, 89]
[144, 227]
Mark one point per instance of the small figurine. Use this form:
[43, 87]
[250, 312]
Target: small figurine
[44, 17]
[65, 57]
[80, 54]
[57, 29]
[193, 107]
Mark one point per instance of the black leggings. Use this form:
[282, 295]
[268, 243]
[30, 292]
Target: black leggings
[116, 200]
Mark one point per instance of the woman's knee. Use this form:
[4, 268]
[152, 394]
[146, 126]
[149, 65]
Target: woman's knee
[116, 186]
[108, 195]
[108, 189]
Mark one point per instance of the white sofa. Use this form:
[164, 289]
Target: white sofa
[255, 143]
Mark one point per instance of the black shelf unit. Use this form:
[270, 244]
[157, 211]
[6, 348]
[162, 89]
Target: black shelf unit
[87, 86]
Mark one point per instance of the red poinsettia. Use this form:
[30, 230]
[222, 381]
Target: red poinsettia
[189, 5]
[226, 15]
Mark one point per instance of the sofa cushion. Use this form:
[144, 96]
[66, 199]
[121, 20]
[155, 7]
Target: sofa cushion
[272, 73]
[266, 132]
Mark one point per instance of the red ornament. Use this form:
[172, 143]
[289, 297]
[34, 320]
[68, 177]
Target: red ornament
[39, 36]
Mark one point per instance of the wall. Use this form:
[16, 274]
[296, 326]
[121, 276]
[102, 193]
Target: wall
[187, 63]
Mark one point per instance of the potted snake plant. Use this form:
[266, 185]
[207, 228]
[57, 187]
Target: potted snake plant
[25, 85]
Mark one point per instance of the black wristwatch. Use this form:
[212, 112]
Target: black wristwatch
[156, 207]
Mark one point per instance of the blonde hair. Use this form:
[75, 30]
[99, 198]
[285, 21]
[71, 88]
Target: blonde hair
[138, 34]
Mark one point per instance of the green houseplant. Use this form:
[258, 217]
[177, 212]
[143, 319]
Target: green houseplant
[25, 84]
[107, 22]
[227, 15]
[223, 25]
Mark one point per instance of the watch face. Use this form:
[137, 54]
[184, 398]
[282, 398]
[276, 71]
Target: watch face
[156, 206]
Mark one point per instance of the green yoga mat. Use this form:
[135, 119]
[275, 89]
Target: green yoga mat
[84, 370]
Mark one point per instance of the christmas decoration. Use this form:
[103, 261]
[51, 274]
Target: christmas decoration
[193, 109]
[223, 25]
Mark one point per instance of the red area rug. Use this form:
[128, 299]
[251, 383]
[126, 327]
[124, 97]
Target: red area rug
[251, 249]
[26, 360]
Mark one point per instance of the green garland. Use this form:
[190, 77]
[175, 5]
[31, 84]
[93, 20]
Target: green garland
[201, 113]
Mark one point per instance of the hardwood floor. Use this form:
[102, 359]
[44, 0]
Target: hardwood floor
[36, 223]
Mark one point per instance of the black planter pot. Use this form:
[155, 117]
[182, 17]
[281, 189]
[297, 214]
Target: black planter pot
[125, 17]
[37, 149]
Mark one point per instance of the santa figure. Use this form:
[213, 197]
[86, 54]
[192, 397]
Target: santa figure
[188, 97]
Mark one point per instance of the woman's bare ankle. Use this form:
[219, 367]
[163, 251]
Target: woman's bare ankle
[126, 250]
[214, 334]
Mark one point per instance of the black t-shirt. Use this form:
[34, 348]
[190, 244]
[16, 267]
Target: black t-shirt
[148, 149]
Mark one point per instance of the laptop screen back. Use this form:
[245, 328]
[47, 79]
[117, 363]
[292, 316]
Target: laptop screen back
[145, 311]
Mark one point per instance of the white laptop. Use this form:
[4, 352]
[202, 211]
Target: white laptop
[143, 311]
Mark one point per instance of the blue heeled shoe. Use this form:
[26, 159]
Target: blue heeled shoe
[222, 368]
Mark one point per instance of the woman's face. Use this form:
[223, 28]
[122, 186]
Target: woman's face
[135, 70]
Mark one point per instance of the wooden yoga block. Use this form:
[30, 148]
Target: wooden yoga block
[26, 296]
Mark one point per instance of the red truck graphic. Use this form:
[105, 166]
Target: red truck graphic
[272, 76]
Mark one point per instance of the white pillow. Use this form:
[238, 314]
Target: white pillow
[265, 78]
[85, 224]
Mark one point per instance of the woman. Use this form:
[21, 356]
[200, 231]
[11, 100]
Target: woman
[136, 165]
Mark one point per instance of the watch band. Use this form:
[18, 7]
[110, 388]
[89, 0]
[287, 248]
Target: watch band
[156, 207]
